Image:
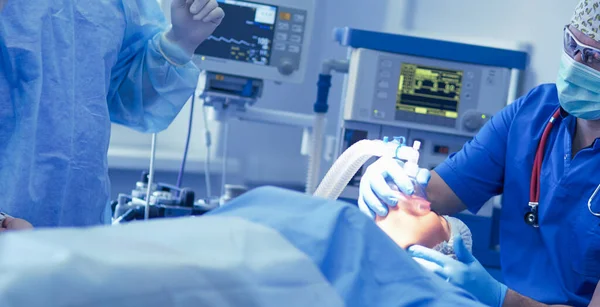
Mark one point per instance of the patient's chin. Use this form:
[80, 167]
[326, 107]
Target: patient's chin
[407, 229]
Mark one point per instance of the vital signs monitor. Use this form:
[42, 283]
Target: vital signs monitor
[265, 39]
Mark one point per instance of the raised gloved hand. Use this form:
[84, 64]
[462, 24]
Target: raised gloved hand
[375, 194]
[466, 272]
[193, 21]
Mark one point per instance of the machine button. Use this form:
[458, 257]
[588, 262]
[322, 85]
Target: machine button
[281, 36]
[283, 26]
[294, 48]
[378, 114]
[473, 121]
[468, 85]
[297, 28]
[382, 95]
[286, 67]
[279, 46]
[385, 74]
[441, 149]
[468, 96]
[285, 16]
[298, 18]
[383, 84]
[470, 74]
[491, 77]
[295, 39]
[386, 63]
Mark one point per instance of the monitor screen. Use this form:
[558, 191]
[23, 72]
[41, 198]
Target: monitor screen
[245, 34]
[429, 90]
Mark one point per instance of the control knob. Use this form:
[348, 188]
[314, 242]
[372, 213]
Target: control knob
[473, 121]
[286, 67]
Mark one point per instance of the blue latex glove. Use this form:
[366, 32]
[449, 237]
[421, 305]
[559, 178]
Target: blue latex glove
[466, 272]
[193, 21]
[377, 186]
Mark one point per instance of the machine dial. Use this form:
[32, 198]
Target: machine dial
[286, 67]
[473, 121]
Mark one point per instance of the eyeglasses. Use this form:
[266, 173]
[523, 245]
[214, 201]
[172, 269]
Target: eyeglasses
[589, 54]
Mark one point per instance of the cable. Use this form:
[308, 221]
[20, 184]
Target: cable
[224, 164]
[150, 177]
[208, 143]
[187, 143]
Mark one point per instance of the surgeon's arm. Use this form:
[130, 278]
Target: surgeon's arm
[470, 177]
[441, 196]
[514, 299]
[153, 78]
[596, 298]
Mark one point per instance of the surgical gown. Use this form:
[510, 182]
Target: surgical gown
[67, 69]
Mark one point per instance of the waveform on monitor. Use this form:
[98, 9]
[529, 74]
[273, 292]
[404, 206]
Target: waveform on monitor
[230, 40]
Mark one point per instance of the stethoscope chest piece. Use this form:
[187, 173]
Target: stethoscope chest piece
[531, 217]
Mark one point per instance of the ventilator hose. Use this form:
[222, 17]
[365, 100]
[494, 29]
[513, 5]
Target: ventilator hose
[344, 168]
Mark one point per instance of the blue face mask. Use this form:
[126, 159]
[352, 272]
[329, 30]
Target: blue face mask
[578, 88]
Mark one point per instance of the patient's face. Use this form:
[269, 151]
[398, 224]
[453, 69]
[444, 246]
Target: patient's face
[407, 229]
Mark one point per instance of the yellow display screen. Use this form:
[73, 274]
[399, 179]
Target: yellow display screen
[429, 90]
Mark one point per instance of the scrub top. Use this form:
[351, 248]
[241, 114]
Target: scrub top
[559, 262]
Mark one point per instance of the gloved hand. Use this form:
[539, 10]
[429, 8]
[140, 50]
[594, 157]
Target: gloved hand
[375, 194]
[192, 22]
[466, 273]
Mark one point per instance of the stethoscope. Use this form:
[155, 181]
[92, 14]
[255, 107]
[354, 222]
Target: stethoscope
[531, 217]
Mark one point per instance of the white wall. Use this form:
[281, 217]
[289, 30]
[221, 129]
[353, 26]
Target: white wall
[537, 22]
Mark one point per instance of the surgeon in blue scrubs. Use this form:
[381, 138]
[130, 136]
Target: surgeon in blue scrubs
[554, 259]
[68, 68]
